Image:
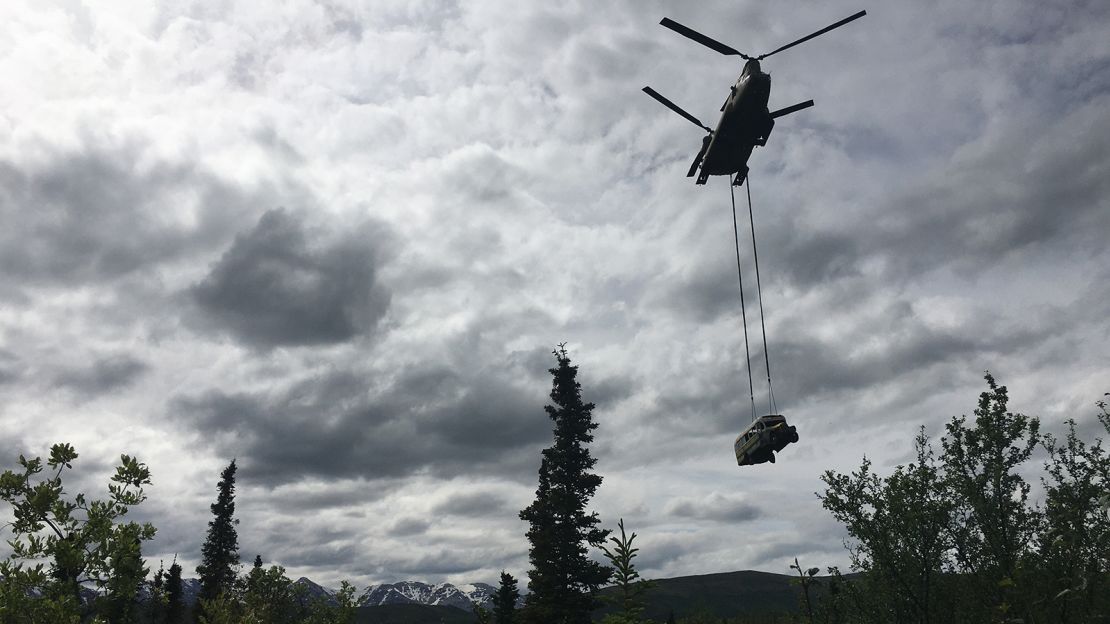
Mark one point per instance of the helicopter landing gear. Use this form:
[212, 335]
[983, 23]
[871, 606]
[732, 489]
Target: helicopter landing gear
[740, 176]
[702, 177]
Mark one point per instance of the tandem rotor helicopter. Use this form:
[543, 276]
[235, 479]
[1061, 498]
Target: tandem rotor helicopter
[745, 123]
[745, 119]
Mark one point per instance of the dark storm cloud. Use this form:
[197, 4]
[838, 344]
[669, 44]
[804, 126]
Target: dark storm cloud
[535, 362]
[104, 211]
[607, 392]
[279, 285]
[707, 292]
[821, 257]
[476, 504]
[10, 450]
[1020, 190]
[716, 507]
[300, 542]
[1013, 191]
[777, 556]
[905, 345]
[333, 556]
[408, 526]
[10, 367]
[899, 343]
[792, 252]
[309, 497]
[426, 420]
[105, 375]
[442, 562]
[660, 551]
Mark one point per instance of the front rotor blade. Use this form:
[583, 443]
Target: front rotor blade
[791, 109]
[712, 44]
[671, 105]
[816, 34]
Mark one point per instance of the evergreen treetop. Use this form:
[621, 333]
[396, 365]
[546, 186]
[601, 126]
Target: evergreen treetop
[563, 580]
[504, 601]
[175, 600]
[220, 552]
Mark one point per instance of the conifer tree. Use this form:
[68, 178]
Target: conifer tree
[220, 553]
[563, 580]
[175, 603]
[156, 603]
[504, 601]
[630, 586]
[255, 574]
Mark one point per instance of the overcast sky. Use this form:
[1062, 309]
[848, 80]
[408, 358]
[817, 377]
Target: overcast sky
[339, 240]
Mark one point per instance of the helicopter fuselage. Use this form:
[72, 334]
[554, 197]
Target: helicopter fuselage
[745, 119]
[745, 122]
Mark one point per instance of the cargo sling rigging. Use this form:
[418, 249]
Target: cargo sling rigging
[759, 292]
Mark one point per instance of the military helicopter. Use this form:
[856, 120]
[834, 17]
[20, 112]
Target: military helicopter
[745, 119]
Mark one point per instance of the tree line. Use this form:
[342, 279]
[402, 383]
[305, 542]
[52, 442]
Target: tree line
[948, 538]
[953, 537]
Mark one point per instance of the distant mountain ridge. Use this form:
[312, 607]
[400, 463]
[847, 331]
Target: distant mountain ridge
[463, 597]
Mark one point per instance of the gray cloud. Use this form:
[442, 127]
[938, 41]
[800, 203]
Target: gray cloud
[102, 212]
[436, 563]
[999, 198]
[715, 507]
[277, 286]
[409, 526]
[105, 375]
[10, 367]
[429, 419]
[309, 497]
[475, 504]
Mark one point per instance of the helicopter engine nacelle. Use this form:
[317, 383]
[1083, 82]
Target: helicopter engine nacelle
[765, 131]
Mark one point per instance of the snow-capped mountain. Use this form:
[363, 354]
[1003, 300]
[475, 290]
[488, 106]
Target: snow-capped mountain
[190, 590]
[444, 594]
[463, 596]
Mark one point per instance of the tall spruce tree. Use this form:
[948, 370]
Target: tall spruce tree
[175, 601]
[563, 580]
[156, 601]
[504, 601]
[220, 553]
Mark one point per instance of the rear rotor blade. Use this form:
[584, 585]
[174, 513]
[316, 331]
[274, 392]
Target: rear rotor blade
[791, 109]
[816, 34]
[701, 154]
[712, 44]
[671, 105]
